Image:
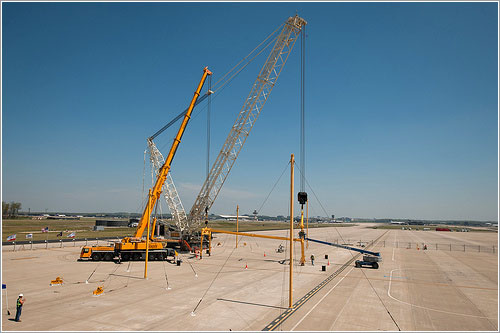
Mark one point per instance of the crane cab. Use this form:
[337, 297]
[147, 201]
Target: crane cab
[97, 253]
[86, 252]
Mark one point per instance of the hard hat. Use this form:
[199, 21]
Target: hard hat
[21, 295]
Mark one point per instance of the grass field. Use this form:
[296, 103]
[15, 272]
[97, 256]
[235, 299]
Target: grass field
[83, 228]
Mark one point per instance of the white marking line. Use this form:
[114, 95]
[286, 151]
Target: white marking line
[340, 313]
[322, 298]
[426, 308]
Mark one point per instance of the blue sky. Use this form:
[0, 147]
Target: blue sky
[401, 105]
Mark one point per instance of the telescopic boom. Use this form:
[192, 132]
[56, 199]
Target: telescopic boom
[162, 173]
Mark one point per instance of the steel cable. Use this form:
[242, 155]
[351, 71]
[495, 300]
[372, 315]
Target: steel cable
[352, 255]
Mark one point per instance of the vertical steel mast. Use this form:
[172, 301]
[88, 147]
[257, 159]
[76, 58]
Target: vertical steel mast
[248, 115]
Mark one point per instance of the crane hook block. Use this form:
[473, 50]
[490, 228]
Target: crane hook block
[302, 197]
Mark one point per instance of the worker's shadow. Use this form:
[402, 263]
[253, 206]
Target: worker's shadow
[12, 319]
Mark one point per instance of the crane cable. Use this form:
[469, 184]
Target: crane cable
[213, 280]
[350, 252]
[166, 277]
[218, 89]
[271, 34]
[283, 283]
[209, 107]
[182, 257]
[302, 109]
[274, 186]
[93, 272]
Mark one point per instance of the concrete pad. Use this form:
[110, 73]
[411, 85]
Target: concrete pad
[422, 290]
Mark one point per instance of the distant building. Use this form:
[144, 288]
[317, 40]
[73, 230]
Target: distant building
[112, 223]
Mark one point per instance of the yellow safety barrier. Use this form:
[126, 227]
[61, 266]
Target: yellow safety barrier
[58, 280]
[98, 291]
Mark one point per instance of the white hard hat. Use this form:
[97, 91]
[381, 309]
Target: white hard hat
[21, 295]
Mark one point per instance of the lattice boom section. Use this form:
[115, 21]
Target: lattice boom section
[169, 190]
[246, 118]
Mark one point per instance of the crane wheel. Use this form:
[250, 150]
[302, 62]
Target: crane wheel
[96, 256]
[126, 256]
[136, 256]
[108, 257]
[375, 265]
[357, 264]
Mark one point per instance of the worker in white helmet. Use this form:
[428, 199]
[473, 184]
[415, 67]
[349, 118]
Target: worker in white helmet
[19, 306]
[312, 259]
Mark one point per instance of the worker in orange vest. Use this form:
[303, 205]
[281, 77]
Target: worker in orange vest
[19, 306]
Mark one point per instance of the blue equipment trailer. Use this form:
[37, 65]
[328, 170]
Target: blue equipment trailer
[369, 258]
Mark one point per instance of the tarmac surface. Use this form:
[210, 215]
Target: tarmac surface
[453, 287]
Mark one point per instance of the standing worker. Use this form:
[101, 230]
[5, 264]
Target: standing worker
[20, 302]
[312, 259]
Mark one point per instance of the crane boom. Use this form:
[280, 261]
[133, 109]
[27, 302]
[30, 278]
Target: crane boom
[344, 247]
[248, 115]
[163, 171]
[170, 191]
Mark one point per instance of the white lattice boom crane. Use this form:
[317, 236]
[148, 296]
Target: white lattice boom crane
[246, 119]
[170, 191]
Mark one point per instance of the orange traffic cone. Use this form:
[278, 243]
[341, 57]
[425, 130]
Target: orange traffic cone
[264, 254]
[246, 266]
[328, 262]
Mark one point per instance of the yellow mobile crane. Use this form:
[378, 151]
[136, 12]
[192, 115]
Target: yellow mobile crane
[135, 247]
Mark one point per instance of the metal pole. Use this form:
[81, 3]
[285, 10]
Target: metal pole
[290, 293]
[46, 244]
[147, 236]
[31, 245]
[237, 215]
[14, 246]
[7, 300]
[307, 223]
[201, 247]
[302, 257]
[210, 244]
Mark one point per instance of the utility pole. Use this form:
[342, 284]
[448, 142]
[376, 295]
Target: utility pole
[290, 293]
[147, 236]
[307, 223]
[237, 214]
